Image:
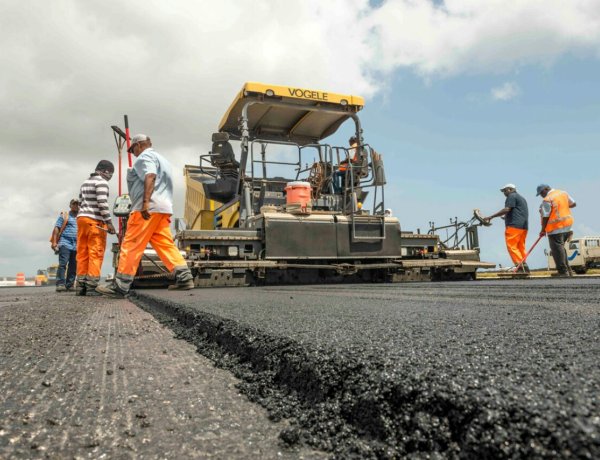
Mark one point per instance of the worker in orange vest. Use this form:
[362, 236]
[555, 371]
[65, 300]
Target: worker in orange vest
[557, 222]
[516, 217]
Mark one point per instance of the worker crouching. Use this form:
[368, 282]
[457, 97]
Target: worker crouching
[150, 186]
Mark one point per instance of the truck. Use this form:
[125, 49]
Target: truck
[51, 272]
[583, 253]
[272, 202]
[41, 277]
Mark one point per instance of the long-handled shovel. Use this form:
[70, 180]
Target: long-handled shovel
[527, 255]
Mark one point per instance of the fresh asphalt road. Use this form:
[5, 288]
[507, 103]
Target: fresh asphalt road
[504, 368]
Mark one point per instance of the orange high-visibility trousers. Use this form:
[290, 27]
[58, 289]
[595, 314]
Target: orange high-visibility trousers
[140, 232]
[515, 243]
[91, 243]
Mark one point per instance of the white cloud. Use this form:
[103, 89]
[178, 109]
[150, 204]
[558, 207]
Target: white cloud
[474, 36]
[72, 70]
[505, 92]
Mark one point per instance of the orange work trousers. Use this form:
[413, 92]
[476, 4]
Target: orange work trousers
[91, 243]
[140, 232]
[515, 243]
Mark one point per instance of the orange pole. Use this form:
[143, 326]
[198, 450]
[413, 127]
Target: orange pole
[128, 138]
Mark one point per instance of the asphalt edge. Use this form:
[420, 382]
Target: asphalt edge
[328, 402]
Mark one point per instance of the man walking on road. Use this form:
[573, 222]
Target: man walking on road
[150, 186]
[64, 243]
[516, 217]
[557, 222]
[93, 222]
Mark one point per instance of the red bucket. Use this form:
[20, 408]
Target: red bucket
[298, 195]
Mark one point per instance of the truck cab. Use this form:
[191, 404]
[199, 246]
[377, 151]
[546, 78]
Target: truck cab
[582, 253]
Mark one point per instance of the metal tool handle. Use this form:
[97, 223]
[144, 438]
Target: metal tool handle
[479, 218]
[527, 254]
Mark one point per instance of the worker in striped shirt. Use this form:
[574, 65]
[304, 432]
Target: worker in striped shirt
[93, 223]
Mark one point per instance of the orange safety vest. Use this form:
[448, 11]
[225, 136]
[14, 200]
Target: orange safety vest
[560, 214]
[344, 164]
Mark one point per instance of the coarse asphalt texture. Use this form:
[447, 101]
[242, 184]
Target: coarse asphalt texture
[90, 377]
[484, 369]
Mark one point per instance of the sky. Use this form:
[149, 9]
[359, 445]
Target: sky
[462, 97]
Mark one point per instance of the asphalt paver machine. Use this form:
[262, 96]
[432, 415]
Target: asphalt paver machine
[272, 202]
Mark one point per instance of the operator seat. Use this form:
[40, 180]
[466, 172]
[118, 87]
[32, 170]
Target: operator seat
[222, 157]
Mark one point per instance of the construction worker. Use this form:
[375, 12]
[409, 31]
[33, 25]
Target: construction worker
[339, 176]
[151, 190]
[516, 217]
[64, 243]
[93, 223]
[557, 222]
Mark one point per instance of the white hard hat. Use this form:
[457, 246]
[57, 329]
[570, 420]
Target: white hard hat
[513, 186]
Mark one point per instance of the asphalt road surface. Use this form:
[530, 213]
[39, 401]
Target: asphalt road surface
[486, 369]
[97, 378]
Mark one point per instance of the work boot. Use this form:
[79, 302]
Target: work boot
[61, 288]
[110, 290]
[81, 289]
[184, 280]
[184, 286]
[526, 268]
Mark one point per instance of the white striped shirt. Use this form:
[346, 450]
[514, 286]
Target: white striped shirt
[93, 199]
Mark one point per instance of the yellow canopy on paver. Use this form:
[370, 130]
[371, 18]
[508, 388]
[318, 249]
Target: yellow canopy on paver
[289, 114]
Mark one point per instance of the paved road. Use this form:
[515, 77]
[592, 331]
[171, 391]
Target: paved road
[96, 378]
[497, 369]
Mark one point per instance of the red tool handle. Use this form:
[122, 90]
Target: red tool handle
[128, 139]
[528, 252]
